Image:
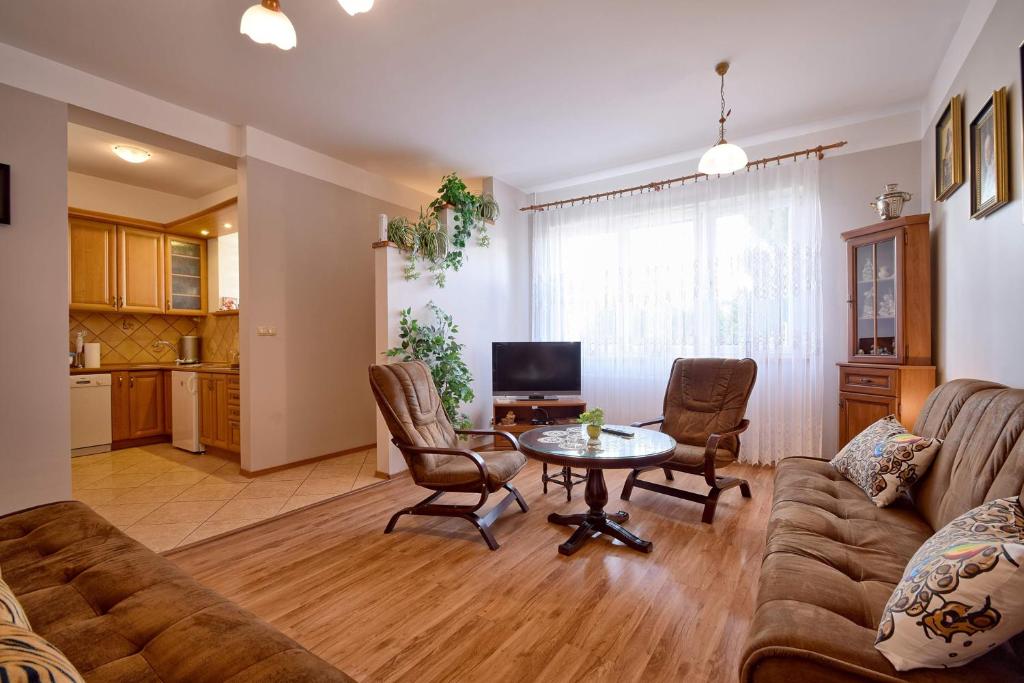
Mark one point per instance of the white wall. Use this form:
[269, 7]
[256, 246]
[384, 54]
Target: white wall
[847, 184]
[306, 270]
[489, 300]
[977, 263]
[35, 446]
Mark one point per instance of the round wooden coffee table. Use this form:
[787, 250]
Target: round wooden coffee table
[567, 447]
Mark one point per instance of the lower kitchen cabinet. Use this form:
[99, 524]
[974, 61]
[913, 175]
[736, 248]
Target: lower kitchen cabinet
[137, 404]
[219, 416]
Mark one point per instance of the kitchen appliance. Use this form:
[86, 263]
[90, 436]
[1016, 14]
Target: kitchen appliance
[889, 204]
[90, 414]
[188, 350]
[185, 412]
[536, 369]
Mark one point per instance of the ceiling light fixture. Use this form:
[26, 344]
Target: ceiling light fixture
[227, 225]
[266, 23]
[723, 157]
[132, 154]
[354, 7]
[204, 233]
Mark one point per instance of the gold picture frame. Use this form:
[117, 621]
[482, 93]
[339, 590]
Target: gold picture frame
[949, 149]
[990, 169]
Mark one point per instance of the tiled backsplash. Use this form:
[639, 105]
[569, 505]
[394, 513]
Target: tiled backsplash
[128, 338]
[220, 338]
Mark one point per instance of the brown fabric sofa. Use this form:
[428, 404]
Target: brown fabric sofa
[833, 558]
[124, 614]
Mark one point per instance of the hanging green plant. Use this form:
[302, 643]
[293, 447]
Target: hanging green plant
[442, 246]
[435, 344]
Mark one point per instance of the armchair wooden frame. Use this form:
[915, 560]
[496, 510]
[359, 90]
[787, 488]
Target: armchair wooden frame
[428, 507]
[716, 482]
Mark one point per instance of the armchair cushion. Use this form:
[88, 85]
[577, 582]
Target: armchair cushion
[460, 473]
[693, 457]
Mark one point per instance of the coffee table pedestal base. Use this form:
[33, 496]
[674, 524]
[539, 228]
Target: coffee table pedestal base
[597, 521]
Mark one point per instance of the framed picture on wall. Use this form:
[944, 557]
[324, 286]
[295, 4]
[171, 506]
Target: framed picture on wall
[990, 176]
[5, 194]
[949, 149]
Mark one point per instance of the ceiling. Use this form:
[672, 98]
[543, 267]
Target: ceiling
[90, 151]
[530, 91]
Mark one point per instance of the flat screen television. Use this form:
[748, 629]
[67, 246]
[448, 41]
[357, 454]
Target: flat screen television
[536, 369]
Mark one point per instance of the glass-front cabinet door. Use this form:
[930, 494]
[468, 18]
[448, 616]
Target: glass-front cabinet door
[875, 301]
[186, 275]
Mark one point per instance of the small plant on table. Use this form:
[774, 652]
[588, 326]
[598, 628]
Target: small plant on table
[594, 420]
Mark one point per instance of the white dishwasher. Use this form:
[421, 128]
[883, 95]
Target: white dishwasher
[90, 414]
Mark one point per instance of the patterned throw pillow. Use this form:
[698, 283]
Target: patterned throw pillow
[11, 611]
[26, 657]
[885, 460]
[962, 593]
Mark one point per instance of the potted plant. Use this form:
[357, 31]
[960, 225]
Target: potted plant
[594, 420]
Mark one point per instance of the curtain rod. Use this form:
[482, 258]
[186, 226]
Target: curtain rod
[818, 151]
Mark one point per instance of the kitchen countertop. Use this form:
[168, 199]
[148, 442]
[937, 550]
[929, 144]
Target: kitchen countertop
[218, 368]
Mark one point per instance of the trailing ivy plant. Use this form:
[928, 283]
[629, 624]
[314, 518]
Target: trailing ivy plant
[435, 344]
[429, 240]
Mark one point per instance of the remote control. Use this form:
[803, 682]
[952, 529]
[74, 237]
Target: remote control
[618, 432]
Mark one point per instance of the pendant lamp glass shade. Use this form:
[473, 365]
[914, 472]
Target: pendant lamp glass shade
[354, 7]
[132, 154]
[266, 23]
[724, 157]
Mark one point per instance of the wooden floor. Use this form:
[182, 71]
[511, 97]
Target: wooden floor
[430, 602]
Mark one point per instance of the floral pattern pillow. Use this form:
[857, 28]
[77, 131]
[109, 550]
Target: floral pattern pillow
[885, 460]
[962, 593]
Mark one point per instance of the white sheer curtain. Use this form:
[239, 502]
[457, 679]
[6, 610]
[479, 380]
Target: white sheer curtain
[726, 267]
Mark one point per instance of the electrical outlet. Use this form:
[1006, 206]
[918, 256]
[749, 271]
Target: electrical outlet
[264, 331]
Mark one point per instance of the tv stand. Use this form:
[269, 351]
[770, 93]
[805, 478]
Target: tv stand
[530, 413]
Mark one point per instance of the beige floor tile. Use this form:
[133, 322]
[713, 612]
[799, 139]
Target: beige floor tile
[117, 481]
[94, 497]
[296, 502]
[212, 490]
[230, 472]
[150, 494]
[254, 509]
[208, 529]
[297, 473]
[334, 485]
[268, 489]
[202, 463]
[183, 511]
[160, 537]
[125, 514]
[364, 480]
[188, 477]
[156, 466]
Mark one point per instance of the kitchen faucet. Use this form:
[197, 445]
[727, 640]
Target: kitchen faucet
[163, 342]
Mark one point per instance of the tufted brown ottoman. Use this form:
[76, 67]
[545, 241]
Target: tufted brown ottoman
[123, 613]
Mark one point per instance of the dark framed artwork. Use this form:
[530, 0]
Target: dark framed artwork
[5, 194]
[990, 169]
[949, 149]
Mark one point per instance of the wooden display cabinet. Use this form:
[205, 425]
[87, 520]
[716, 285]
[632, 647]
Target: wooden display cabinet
[890, 325]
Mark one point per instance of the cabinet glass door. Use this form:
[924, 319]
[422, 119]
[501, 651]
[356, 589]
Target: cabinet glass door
[186, 270]
[875, 300]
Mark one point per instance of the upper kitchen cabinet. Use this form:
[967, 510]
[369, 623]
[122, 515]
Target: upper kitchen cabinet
[186, 275]
[91, 263]
[140, 270]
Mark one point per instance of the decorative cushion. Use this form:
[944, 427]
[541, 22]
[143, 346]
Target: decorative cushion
[962, 593]
[26, 657]
[885, 460]
[11, 611]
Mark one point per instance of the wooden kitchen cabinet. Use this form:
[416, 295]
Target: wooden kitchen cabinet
[219, 416]
[185, 269]
[140, 266]
[137, 404]
[91, 265]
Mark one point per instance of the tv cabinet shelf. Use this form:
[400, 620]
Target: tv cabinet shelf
[560, 411]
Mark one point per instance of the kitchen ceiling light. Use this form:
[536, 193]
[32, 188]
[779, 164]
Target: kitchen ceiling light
[354, 7]
[131, 154]
[227, 225]
[266, 23]
[723, 157]
[204, 233]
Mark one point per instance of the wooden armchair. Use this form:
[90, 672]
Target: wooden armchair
[704, 405]
[412, 409]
